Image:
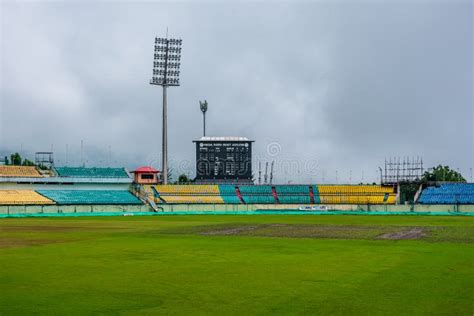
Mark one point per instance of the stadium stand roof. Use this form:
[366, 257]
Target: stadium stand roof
[223, 139]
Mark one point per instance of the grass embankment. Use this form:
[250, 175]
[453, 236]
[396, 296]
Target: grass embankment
[265, 264]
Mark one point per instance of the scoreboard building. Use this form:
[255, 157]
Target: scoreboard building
[223, 160]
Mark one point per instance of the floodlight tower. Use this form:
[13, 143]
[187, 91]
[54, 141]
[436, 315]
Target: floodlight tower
[166, 74]
[203, 106]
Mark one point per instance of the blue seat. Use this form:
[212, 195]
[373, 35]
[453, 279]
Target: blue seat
[448, 193]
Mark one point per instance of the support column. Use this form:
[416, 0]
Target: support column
[164, 150]
[204, 124]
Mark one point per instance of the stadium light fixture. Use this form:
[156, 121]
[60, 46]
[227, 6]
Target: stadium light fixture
[166, 64]
[203, 106]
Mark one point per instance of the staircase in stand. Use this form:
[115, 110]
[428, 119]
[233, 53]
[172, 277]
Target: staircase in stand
[275, 195]
[311, 194]
[239, 195]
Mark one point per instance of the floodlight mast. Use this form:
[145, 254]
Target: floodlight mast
[203, 106]
[167, 56]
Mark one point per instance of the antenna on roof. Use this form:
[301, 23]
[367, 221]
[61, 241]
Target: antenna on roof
[109, 156]
[271, 172]
[82, 153]
[259, 172]
[266, 173]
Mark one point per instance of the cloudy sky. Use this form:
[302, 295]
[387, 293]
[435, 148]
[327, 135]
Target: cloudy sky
[326, 89]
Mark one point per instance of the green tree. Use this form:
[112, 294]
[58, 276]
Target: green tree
[408, 191]
[443, 173]
[182, 179]
[15, 159]
[6, 160]
[28, 162]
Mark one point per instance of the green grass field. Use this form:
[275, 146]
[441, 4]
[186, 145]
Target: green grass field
[262, 264]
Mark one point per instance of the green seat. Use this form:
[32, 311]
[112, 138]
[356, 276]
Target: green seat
[259, 199]
[90, 197]
[292, 189]
[227, 192]
[255, 189]
[82, 172]
[294, 199]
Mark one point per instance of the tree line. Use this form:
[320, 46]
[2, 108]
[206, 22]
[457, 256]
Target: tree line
[16, 160]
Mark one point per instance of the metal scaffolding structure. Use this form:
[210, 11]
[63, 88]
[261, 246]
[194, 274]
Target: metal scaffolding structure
[44, 158]
[406, 169]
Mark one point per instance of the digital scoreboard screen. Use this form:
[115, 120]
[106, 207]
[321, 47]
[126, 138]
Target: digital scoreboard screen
[226, 160]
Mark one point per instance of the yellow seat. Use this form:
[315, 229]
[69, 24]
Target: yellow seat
[19, 171]
[356, 199]
[353, 189]
[356, 194]
[22, 197]
[171, 189]
[193, 199]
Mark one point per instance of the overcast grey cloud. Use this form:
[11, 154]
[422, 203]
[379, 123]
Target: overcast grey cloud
[320, 86]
